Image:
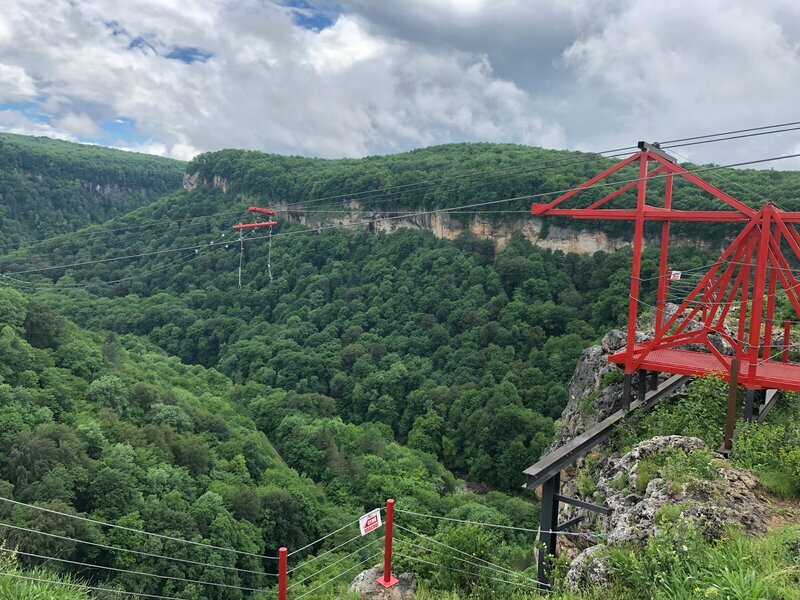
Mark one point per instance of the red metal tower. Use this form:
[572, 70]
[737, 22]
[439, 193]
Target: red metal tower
[748, 275]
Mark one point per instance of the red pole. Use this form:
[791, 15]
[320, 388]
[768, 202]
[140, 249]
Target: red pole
[386, 580]
[282, 558]
[787, 329]
[663, 272]
[638, 235]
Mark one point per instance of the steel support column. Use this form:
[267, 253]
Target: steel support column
[548, 525]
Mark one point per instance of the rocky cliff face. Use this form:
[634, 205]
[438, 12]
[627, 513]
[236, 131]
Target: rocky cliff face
[636, 485]
[441, 224]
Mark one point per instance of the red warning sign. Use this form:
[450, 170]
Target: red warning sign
[370, 521]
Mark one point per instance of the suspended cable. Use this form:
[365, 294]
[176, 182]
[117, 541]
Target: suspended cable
[311, 591]
[461, 552]
[389, 188]
[414, 214]
[318, 556]
[324, 537]
[709, 135]
[495, 525]
[516, 583]
[130, 572]
[133, 530]
[136, 552]
[489, 566]
[325, 568]
[86, 587]
[733, 137]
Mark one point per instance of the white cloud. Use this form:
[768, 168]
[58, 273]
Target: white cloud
[15, 84]
[80, 125]
[392, 75]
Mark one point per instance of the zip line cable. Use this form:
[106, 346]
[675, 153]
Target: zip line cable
[389, 188]
[698, 137]
[557, 163]
[538, 167]
[129, 572]
[312, 590]
[597, 153]
[133, 530]
[733, 137]
[411, 214]
[188, 259]
[87, 587]
[137, 552]
[470, 174]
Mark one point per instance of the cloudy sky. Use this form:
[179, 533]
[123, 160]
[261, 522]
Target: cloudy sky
[337, 78]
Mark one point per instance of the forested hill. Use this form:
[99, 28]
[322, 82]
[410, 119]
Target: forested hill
[463, 174]
[50, 186]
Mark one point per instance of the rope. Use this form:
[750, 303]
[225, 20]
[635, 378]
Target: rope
[133, 530]
[365, 546]
[129, 572]
[241, 257]
[269, 257]
[312, 590]
[137, 552]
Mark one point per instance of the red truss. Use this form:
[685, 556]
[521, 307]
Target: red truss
[257, 210]
[735, 299]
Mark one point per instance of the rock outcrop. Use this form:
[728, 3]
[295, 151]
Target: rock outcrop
[725, 497]
[368, 588]
[640, 496]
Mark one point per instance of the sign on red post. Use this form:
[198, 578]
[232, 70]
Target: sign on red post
[370, 521]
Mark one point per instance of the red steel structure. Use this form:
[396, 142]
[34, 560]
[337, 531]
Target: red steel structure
[257, 210]
[734, 301]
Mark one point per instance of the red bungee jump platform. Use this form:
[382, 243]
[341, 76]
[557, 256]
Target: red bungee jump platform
[769, 374]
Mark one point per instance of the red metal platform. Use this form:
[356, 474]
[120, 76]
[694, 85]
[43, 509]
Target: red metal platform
[770, 374]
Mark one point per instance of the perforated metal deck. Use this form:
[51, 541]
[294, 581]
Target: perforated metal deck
[770, 374]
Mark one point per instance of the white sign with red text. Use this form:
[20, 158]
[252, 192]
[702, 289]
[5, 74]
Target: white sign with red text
[675, 275]
[370, 521]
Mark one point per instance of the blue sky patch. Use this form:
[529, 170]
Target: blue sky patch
[308, 16]
[189, 54]
[29, 109]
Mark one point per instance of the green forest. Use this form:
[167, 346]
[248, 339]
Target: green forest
[49, 186]
[142, 386]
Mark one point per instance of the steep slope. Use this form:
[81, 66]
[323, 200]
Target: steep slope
[108, 427]
[50, 186]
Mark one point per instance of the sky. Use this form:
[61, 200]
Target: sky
[350, 78]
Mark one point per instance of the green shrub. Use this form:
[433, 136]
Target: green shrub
[676, 466]
[613, 377]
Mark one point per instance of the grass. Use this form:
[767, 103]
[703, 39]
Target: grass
[676, 466]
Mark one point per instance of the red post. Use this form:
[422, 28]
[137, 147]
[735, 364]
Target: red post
[386, 580]
[663, 272]
[787, 330]
[282, 559]
[638, 235]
